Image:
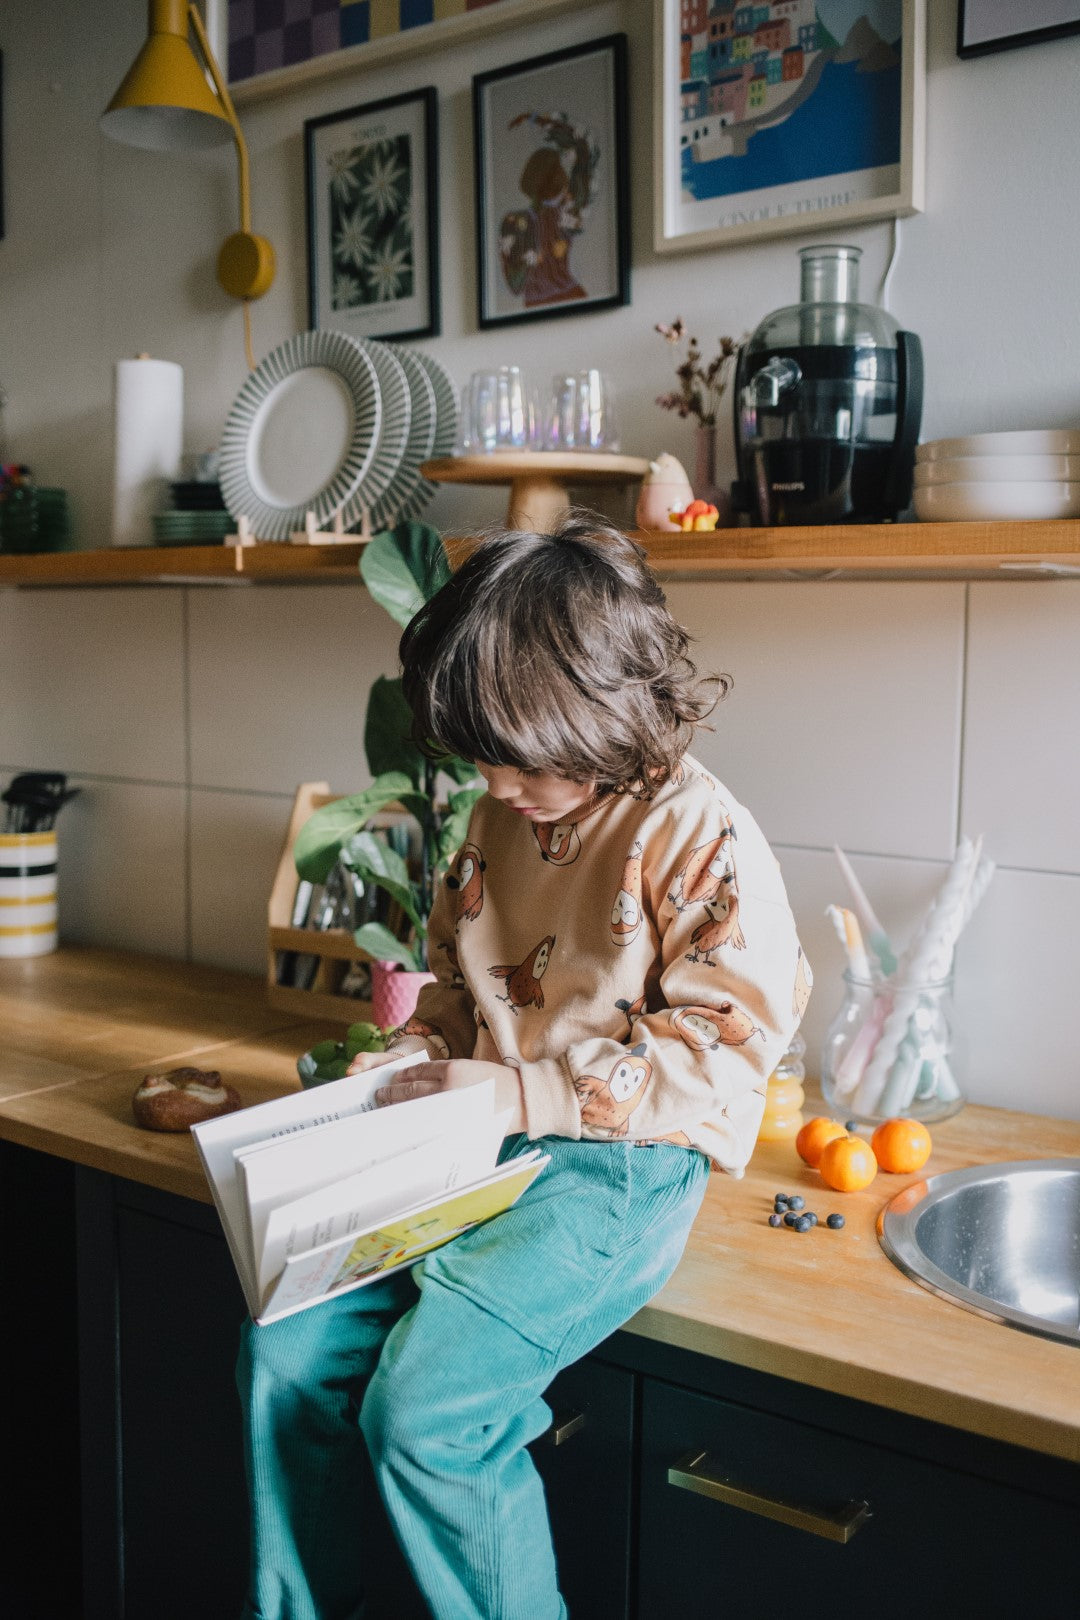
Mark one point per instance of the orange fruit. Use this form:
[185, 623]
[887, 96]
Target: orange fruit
[901, 1145]
[847, 1164]
[814, 1135]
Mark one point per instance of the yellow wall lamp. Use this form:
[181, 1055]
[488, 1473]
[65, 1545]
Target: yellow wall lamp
[165, 104]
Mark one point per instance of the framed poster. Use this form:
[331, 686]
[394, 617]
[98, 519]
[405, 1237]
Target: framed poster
[373, 218]
[552, 209]
[996, 25]
[794, 115]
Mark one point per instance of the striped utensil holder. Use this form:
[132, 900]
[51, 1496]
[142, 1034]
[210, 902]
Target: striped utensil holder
[27, 893]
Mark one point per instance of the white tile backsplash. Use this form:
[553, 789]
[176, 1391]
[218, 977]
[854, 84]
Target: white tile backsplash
[279, 685]
[122, 867]
[236, 842]
[1018, 968]
[844, 723]
[93, 681]
[1021, 782]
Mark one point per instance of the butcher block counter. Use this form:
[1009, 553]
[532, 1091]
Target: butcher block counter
[824, 1308]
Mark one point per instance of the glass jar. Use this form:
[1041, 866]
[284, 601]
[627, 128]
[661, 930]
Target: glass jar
[784, 1095]
[889, 1051]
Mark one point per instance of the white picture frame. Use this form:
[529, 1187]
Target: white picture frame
[745, 63]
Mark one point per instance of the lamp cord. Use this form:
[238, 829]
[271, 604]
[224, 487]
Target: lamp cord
[249, 349]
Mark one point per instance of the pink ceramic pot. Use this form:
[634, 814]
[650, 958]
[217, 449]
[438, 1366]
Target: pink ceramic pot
[394, 990]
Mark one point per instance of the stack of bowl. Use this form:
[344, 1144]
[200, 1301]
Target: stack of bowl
[998, 476]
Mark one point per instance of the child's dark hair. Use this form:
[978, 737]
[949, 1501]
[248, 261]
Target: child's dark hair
[557, 652]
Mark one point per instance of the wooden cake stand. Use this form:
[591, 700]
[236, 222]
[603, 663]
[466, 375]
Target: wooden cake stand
[539, 479]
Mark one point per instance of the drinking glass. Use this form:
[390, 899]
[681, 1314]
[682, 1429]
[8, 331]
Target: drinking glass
[580, 413]
[496, 412]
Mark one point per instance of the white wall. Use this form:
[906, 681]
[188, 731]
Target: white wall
[886, 717]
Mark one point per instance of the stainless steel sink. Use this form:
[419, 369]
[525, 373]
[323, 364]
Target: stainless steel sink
[1000, 1239]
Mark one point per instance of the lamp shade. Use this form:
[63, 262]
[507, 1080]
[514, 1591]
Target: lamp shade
[165, 102]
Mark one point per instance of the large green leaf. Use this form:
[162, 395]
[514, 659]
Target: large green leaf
[459, 769]
[386, 732]
[375, 862]
[380, 943]
[320, 839]
[403, 569]
[456, 822]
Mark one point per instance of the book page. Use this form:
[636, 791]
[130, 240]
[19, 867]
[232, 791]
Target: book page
[352, 1262]
[296, 1111]
[277, 1171]
[350, 1206]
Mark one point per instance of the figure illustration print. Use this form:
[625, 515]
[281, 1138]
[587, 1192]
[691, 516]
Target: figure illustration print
[557, 182]
[427, 1032]
[721, 928]
[523, 980]
[465, 879]
[606, 1105]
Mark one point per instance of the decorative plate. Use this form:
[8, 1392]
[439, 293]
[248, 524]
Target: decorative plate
[446, 406]
[393, 439]
[302, 435]
[409, 493]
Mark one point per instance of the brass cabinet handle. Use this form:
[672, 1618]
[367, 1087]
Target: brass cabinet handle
[563, 1426]
[691, 1473]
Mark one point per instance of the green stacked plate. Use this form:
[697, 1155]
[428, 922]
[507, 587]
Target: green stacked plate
[33, 518]
[192, 528]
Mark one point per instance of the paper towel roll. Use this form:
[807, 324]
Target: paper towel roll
[149, 427]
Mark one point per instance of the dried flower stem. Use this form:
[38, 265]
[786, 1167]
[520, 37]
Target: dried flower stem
[701, 387]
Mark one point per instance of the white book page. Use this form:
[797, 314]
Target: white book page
[363, 1200]
[277, 1172]
[309, 1278]
[216, 1140]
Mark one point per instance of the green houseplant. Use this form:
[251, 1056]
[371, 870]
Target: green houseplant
[402, 568]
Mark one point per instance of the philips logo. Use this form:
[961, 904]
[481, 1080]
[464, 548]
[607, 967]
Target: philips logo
[795, 485]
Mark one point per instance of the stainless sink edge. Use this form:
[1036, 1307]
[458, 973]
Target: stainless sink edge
[896, 1228]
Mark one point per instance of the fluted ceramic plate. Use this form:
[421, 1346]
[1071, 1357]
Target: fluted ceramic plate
[409, 493]
[446, 406]
[379, 480]
[302, 435]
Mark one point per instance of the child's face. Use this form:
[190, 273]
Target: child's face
[537, 795]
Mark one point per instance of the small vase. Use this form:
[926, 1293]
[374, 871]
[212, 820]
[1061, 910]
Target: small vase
[394, 990]
[707, 483]
[889, 1051]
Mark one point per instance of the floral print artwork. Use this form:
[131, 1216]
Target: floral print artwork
[370, 223]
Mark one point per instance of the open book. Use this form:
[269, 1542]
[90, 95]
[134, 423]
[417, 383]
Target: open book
[320, 1191]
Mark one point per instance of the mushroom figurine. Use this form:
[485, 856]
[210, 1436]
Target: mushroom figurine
[664, 487]
[698, 516]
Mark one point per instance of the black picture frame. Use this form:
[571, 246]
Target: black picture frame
[967, 14]
[498, 303]
[377, 124]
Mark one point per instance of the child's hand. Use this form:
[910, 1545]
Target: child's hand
[424, 1079]
[363, 1061]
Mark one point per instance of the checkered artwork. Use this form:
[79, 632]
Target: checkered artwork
[269, 34]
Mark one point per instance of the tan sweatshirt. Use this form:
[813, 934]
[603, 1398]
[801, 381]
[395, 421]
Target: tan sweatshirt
[638, 966]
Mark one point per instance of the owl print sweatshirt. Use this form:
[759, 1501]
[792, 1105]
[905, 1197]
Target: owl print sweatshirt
[638, 966]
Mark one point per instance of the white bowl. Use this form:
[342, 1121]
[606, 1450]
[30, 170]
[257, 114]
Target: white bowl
[1037, 442]
[997, 469]
[973, 503]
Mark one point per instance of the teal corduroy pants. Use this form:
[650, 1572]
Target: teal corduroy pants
[440, 1370]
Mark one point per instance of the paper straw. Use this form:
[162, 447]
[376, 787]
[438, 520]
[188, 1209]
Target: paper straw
[877, 938]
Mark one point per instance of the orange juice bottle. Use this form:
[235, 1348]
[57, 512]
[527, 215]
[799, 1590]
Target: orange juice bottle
[784, 1095]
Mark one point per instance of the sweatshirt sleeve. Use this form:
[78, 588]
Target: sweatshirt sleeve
[717, 1016]
[443, 1025]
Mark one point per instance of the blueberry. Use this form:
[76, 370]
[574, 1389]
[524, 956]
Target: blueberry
[811, 1217]
[803, 1223]
[797, 1202]
[851, 1126]
[780, 1204]
[835, 1221]
[776, 1220]
[789, 1219]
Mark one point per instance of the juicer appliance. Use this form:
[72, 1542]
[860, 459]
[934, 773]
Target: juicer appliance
[828, 402]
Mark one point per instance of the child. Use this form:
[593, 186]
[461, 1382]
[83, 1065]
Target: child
[614, 948]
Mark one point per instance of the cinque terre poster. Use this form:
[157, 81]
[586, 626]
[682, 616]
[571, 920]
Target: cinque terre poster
[783, 109]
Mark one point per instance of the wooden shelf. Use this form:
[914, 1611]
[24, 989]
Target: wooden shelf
[911, 550]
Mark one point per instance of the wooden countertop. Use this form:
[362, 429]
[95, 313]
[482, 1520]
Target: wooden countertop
[821, 1308]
